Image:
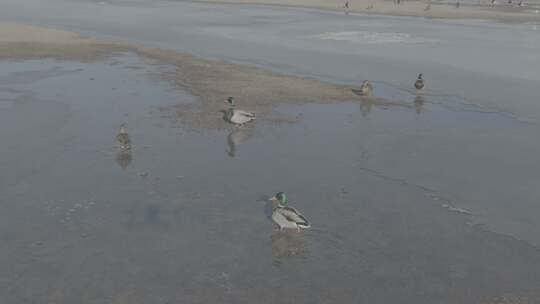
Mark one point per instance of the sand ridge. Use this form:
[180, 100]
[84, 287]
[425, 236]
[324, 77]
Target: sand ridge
[211, 81]
[18, 41]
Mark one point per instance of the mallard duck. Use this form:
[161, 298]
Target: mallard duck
[235, 116]
[123, 138]
[366, 89]
[287, 217]
[419, 83]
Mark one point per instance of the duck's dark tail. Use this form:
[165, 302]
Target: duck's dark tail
[304, 224]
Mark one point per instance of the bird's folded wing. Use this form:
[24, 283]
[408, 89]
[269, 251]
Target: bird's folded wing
[282, 221]
[245, 113]
[293, 215]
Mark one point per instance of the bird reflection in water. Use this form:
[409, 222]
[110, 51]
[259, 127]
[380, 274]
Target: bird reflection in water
[365, 106]
[418, 104]
[124, 158]
[235, 138]
[151, 217]
[287, 244]
[366, 93]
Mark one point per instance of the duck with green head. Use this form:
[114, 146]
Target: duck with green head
[235, 116]
[287, 217]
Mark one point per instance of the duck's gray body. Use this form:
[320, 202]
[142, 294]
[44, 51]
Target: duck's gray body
[366, 89]
[289, 218]
[238, 117]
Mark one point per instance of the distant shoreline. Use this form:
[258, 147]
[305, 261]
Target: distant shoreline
[502, 13]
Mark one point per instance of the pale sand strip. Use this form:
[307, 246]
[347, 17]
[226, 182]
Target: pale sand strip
[23, 41]
[408, 8]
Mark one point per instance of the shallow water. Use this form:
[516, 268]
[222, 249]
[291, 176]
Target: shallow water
[183, 217]
[491, 66]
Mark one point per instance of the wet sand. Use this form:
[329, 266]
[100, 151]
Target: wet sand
[408, 8]
[212, 81]
[19, 41]
[254, 89]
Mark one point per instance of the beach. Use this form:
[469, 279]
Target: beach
[499, 12]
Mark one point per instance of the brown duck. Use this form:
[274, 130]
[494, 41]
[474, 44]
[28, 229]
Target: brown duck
[419, 83]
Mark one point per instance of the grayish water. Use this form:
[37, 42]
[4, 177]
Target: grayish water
[492, 65]
[432, 201]
[180, 220]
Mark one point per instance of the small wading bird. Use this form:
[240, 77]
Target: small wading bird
[366, 89]
[419, 83]
[123, 138]
[235, 116]
[287, 217]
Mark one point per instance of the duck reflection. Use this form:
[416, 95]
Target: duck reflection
[124, 159]
[365, 106]
[152, 214]
[368, 101]
[151, 217]
[418, 104]
[287, 244]
[235, 138]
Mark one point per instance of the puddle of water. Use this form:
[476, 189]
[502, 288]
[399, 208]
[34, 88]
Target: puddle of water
[182, 217]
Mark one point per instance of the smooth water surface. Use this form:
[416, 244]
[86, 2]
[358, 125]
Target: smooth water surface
[492, 66]
[184, 216]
